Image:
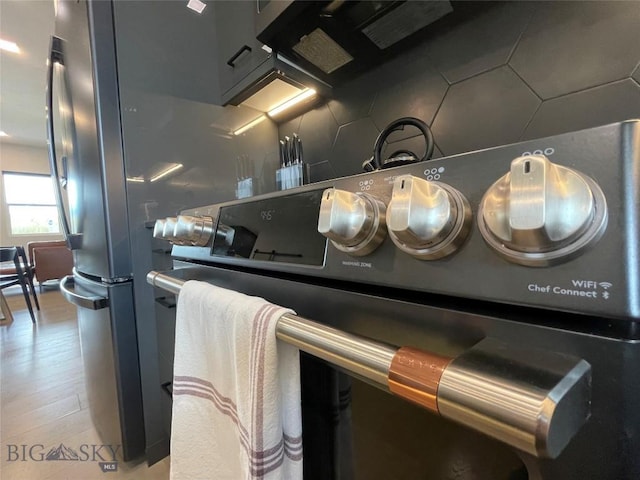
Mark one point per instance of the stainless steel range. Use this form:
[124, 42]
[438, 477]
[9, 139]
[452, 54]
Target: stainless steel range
[509, 277]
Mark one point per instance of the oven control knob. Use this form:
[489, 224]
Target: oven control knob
[194, 230]
[168, 230]
[541, 213]
[354, 222]
[158, 229]
[428, 220]
[165, 229]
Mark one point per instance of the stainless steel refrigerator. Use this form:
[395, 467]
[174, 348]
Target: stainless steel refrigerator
[86, 156]
[135, 134]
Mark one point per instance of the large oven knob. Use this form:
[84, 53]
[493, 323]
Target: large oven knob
[541, 213]
[354, 222]
[428, 220]
[194, 230]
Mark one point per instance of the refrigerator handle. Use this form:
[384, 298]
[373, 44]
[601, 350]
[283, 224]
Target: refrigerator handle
[91, 302]
[55, 56]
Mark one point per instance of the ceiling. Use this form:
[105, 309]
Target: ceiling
[29, 23]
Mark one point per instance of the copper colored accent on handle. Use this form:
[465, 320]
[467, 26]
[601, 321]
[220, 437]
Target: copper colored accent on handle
[415, 375]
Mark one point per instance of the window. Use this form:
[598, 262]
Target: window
[31, 203]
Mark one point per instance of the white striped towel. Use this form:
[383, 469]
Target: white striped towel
[236, 390]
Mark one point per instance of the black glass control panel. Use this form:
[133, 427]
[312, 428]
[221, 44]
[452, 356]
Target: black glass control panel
[282, 229]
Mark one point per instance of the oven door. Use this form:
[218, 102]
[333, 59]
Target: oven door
[354, 429]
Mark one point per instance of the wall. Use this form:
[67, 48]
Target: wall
[486, 75]
[20, 158]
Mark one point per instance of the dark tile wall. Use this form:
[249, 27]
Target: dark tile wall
[485, 76]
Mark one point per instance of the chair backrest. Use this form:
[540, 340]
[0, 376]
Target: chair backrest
[22, 255]
[19, 275]
[9, 254]
[9, 273]
[43, 243]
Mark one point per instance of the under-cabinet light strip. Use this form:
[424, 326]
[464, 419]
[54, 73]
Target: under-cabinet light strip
[290, 103]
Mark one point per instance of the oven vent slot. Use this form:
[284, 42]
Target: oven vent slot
[533, 400]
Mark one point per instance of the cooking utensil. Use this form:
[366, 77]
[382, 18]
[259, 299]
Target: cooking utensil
[299, 145]
[282, 154]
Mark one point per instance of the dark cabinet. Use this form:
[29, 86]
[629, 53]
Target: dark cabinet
[239, 52]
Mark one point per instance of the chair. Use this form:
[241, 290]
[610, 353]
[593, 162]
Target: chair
[30, 271]
[17, 275]
[27, 268]
[49, 260]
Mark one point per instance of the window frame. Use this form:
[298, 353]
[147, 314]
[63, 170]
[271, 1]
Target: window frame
[8, 205]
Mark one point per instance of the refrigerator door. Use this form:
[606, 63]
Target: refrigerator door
[85, 118]
[110, 355]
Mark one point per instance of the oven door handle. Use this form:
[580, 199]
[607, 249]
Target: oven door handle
[533, 400]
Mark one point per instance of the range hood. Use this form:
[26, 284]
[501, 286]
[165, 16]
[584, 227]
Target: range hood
[316, 45]
[278, 85]
[334, 40]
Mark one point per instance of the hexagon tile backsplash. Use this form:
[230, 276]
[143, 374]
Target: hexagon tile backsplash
[508, 72]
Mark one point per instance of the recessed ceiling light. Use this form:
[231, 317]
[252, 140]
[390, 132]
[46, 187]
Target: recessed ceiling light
[3, 133]
[196, 5]
[9, 46]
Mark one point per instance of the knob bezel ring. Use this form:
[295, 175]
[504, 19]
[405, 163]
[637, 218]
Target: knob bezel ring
[455, 238]
[590, 235]
[377, 230]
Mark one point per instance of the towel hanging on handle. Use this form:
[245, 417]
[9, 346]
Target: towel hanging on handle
[236, 389]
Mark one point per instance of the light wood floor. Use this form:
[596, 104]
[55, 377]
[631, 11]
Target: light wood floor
[43, 402]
